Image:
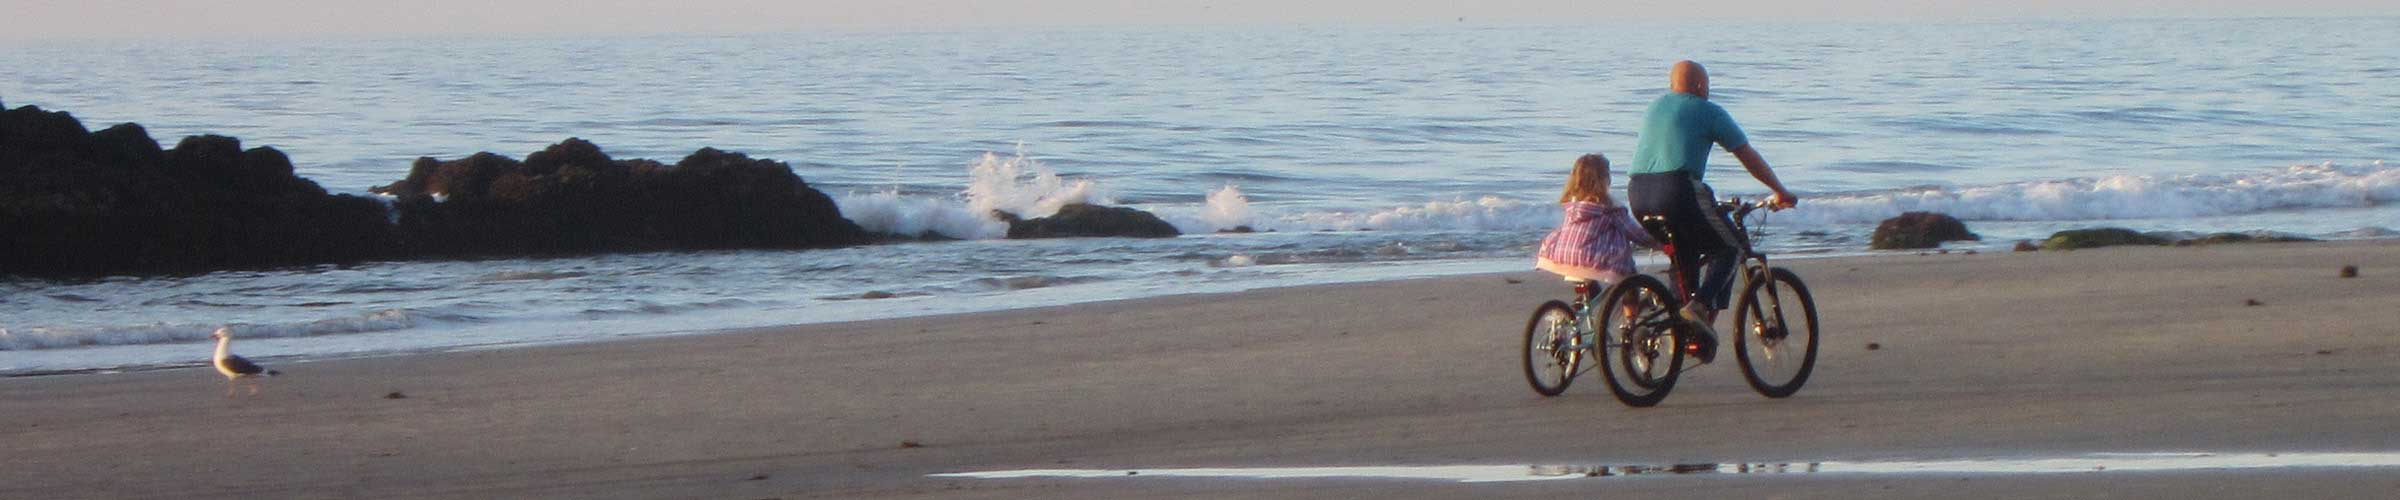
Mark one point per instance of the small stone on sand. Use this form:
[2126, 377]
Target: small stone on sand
[395, 395]
[1874, 346]
[2252, 302]
[911, 444]
[2349, 271]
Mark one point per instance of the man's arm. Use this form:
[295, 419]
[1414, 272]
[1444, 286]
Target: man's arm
[1757, 165]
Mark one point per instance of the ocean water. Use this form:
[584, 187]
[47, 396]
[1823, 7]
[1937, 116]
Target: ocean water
[1360, 153]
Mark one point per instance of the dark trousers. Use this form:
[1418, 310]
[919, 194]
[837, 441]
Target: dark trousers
[1692, 224]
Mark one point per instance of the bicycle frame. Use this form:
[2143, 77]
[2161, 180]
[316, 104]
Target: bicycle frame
[1753, 266]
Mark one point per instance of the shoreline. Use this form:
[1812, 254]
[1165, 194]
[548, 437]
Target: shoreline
[1995, 354]
[1347, 274]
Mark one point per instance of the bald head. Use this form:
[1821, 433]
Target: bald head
[1689, 78]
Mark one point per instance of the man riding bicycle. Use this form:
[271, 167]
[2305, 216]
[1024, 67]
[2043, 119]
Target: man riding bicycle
[1668, 165]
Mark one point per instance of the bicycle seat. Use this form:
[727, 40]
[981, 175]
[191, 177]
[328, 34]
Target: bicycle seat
[1657, 226]
[1585, 288]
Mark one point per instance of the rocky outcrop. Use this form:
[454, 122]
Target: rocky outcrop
[76, 203]
[2099, 237]
[574, 198]
[1088, 220]
[1919, 230]
[2224, 238]
[2111, 236]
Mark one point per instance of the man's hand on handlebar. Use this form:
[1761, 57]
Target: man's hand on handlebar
[1782, 200]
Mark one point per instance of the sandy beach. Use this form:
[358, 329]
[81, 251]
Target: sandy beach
[1994, 355]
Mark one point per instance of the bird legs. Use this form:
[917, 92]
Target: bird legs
[232, 384]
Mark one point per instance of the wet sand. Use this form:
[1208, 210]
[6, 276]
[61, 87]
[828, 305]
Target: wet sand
[1991, 355]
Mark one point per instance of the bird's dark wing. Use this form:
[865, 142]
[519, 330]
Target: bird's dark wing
[242, 366]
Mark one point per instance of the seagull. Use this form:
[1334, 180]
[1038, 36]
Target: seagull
[234, 367]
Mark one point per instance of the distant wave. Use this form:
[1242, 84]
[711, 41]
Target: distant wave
[2122, 197]
[654, 308]
[25, 339]
[2304, 187]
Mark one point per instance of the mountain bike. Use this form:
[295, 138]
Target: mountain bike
[1640, 343]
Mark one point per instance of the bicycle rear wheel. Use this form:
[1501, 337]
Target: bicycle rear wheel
[1550, 362]
[1775, 333]
[1638, 354]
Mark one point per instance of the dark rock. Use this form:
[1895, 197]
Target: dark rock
[2252, 302]
[127, 144]
[30, 128]
[2349, 271]
[1239, 230]
[2222, 238]
[1088, 220]
[573, 198]
[2099, 237]
[76, 204]
[2027, 246]
[1919, 230]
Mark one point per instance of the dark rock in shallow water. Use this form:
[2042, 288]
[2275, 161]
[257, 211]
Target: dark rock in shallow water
[1088, 220]
[1919, 230]
[2099, 237]
[573, 198]
[74, 203]
[2222, 238]
[2027, 246]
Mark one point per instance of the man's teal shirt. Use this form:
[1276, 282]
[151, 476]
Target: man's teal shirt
[1678, 132]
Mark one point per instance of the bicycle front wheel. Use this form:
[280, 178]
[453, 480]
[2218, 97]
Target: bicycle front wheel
[1775, 333]
[1551, 354]
[1638, 353]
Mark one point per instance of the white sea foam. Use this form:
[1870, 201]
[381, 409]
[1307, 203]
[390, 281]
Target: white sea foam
[1226, 208]
[1488, 213]
[1022, 186]
[1016, 184]
[889, 212]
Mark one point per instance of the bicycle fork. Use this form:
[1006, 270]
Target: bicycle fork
[1770, 327]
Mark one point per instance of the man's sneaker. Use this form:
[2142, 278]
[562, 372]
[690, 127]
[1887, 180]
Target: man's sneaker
[1703, 341]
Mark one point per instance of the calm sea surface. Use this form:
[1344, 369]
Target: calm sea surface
[1370, 153]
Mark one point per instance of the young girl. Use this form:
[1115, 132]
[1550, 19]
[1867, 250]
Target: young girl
[1596, 240]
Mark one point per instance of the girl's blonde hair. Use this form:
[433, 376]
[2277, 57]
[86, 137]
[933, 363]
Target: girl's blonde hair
[1588, 181]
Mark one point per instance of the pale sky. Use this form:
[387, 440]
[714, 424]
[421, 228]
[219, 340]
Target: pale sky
[253, 18]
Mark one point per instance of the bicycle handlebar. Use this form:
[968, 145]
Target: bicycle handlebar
[1739, 208]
